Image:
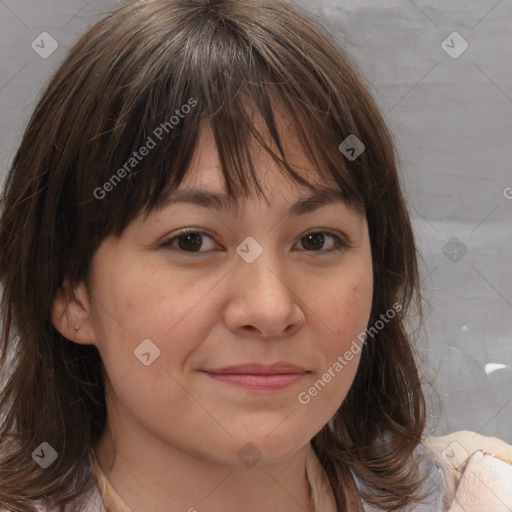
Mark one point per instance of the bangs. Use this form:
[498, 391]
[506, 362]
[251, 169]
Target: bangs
[260, 117]
[241, 84]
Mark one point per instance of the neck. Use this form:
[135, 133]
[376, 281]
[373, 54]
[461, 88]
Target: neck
[149, 474]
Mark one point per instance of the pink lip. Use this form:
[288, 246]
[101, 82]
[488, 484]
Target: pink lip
[259, 368]
[270, 382]
[257, 376]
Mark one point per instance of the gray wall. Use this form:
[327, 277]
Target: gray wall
[451, 116]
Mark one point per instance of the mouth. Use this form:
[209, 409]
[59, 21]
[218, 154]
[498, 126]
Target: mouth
[256, 376]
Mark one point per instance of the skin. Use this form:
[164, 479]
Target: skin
[178, 430]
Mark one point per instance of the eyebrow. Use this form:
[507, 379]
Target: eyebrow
[221, 202]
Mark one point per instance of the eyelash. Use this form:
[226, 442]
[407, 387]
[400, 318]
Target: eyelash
[340, 244]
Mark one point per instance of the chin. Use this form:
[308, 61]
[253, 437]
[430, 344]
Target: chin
[267, 449]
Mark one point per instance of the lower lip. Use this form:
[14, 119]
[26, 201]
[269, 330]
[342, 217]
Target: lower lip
[253, 381]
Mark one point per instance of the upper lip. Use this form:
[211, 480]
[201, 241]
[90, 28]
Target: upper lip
[259, 368]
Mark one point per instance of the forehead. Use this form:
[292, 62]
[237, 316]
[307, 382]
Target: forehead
[205, 170]
[204, 184]
[307, 202]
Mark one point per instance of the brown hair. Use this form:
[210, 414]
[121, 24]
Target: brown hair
[128, 75]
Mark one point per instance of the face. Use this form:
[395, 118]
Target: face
[171, 312]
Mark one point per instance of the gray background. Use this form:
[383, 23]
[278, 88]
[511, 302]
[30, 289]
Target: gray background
[452, 120]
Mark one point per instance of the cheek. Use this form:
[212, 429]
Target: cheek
[134, 303]
[346, 312]
[344, 307]
[355, 308]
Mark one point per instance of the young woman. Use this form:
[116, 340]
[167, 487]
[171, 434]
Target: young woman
[207, 269]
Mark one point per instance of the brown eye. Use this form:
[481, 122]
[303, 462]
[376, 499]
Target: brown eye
[315, 241]
[194, 243]
[190, 242]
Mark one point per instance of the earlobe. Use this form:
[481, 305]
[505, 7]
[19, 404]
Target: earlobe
[70, 313]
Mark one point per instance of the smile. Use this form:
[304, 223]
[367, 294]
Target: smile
[264, 382]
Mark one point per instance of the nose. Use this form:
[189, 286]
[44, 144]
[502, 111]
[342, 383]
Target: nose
[262, 301]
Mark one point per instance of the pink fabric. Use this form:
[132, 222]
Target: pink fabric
[485, 485]
[474, 482]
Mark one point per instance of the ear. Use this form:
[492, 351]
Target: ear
[71, 313]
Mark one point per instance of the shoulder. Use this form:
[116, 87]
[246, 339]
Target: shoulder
[477, 471]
